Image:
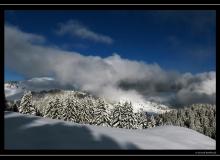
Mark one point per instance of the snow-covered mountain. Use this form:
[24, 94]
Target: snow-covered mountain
[150, 107]
[14, 91]
[32, 132]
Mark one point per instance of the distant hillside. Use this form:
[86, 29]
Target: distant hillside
[44, 87]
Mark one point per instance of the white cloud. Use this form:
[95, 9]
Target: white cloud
[112, 77]
[75, 28]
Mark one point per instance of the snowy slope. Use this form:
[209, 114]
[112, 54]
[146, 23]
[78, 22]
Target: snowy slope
[31, 132]
[149, 107]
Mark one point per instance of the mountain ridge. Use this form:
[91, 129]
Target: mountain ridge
[14, 90]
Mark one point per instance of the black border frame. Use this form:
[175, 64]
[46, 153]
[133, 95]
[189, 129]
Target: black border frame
[100, 7]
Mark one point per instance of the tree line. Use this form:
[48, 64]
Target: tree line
[88, 110]
[199, 117]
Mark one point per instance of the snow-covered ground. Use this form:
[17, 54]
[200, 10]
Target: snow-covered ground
[31, 132]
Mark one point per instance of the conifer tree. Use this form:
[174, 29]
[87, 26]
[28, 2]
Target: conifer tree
[84, 116]
[69, 111]
[101, 115]
[151, 122]
[142, 122]
[26, 105]
[117, 116]
[54, 109]
[129, 116]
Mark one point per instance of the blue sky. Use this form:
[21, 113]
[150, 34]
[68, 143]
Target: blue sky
[183, 41]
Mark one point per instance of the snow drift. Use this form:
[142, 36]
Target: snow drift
[31, 132]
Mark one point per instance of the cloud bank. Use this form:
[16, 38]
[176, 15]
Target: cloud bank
[112, 77]
[74, 28]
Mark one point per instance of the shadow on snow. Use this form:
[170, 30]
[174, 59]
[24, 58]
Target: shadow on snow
[53, 136]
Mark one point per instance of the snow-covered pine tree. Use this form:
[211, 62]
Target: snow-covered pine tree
[205, 124]
[117, 116]
[151, 122]
[101, 115]
[83, 112]
[91, 105]
[26, 105]
[141, 119]
[182, 117]
[192, 120]
[174, 117]
[158, 120]
[69, 110]
[197, 123]
[54, 109]
[128, 118]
